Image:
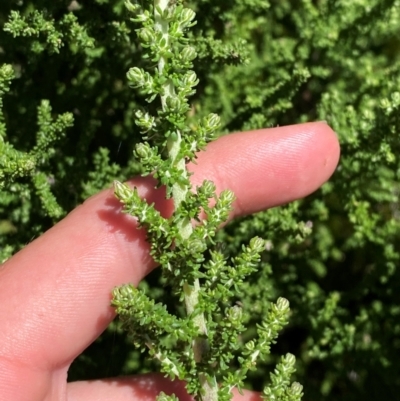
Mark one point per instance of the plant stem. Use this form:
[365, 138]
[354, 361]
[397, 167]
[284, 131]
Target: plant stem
[200, 344]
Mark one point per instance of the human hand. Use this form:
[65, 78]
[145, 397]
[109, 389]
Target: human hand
[55, 294]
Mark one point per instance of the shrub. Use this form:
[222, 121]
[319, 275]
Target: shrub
[67, 130]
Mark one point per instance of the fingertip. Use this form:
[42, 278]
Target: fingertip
[272, 166]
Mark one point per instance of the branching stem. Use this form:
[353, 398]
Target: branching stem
[179, 192]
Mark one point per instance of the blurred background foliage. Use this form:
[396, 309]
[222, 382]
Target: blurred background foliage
[66, 131]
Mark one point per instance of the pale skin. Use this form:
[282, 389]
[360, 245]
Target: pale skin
[55, 293]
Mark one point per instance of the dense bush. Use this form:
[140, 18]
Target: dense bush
[66, 131]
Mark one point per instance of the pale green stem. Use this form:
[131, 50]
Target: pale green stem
[179, 192]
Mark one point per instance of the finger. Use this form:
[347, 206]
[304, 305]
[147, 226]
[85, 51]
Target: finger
[55, 294]
[270, 167]
[138, 388]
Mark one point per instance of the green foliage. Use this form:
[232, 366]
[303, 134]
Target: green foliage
[259, 63]
[35, 24]
[280, 390]
[201, 346]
